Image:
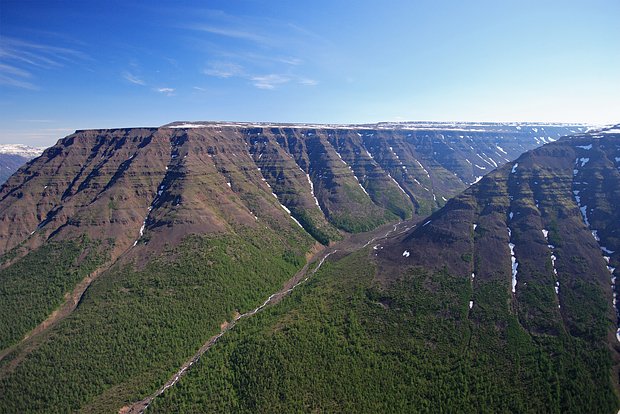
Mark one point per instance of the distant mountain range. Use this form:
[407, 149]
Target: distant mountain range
[127, 253]
[13, 156]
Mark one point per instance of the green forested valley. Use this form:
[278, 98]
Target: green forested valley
[345, 343]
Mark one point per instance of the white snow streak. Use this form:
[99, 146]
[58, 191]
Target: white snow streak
[583, 161]
[514, 168]
[316, 201]
[514, 263]
[395, 182]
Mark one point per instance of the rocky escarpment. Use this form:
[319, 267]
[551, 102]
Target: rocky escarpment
[126, 184]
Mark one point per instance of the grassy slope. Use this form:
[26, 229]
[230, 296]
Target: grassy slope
[134, 328]
[344, 344]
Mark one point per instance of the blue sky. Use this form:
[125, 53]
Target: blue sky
[67, 65]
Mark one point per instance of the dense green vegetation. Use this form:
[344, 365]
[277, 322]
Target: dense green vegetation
[365, 216]
[35, 285]
[324, 234]
[135, 326]
[343, 343]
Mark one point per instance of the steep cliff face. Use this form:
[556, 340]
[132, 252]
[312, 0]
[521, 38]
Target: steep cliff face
[203, 177]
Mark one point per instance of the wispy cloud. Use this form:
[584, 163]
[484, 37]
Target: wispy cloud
[290, 61]
[22, 57]
[308, 82]
[232, 33]
[270, 81]
[37, 137]
[228, 70]
[166, 91]
[15, 77]
[130, 77]
[224, 70]
[261, 51]
[37, 121]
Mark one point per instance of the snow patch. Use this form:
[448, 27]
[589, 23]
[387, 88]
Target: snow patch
[361, 186]
[316, 201]
[514, 168]
[584, 161]
[585, 215]
[406, 253]
[423, 169]
[585, 147]
[189, 126]
[395, 182]
[513, 261]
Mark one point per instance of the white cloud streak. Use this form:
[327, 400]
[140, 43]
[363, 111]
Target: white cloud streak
[133, 78]
[166, 91]
[224, 70]
[21, 57]
[231, 33]
[308, 82]
[270, 81]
